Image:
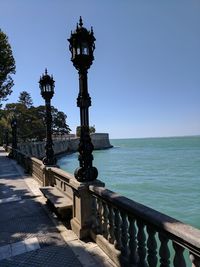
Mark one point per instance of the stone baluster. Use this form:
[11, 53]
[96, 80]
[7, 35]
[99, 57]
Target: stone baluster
[141, 237]
[152, 247]
[105, 220]
[164, 251]
[133, 257]
[99, 216]
[179, 260]
[195, 260]
[124, 234]
[95, 222]
[117, 229]
[111, 236]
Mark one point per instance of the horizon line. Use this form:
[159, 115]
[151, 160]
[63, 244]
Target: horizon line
[148, 137]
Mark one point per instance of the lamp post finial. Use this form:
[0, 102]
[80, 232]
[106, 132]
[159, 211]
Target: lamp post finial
[80, 22]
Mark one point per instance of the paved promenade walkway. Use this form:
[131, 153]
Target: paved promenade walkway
[30, 235]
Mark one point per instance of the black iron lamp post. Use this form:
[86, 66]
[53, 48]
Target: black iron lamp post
[82, 47]
[47, 91]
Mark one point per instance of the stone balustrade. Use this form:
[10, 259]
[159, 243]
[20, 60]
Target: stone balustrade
[130, 233]
[136, 235]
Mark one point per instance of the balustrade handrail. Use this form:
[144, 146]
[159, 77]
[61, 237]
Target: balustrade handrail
[185, 235]
[65, 176]
[36, 160]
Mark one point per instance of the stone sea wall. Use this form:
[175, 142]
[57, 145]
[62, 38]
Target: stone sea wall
[36, 149]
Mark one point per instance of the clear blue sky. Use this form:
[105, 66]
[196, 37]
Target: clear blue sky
[145, 80]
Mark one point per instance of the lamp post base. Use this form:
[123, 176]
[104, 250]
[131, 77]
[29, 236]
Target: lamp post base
[86, 175]
[49, 159]
[49, 162]
[86, 172]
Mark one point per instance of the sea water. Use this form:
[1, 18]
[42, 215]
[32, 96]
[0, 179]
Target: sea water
[162, 173]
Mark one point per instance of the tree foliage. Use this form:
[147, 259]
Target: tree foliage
[59, 122]
[25, 98]
[91, 129]
[31, 121]
[7, 67]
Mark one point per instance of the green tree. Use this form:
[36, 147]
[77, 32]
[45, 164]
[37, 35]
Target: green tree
[23, 117]
[91, 129]
[59, 122]
[31, 121]
[25, 98]
[7, 67]
[4, 126]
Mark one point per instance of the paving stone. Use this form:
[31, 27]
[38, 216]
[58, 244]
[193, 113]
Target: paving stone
[50, 256]
[5, 252]
[32, 244]
[81, 253]
[8, 174]
[33, 185]
[9, 199]
[28, 208]
[13, 187]
[18, 248]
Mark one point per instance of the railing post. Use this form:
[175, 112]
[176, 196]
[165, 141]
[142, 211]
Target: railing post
[82, 217]
[105, 220]
[47, 175]
[164, 251]
[141, 244]
[124, 235]
[111, 236]
[133, 257]
[95, 224]
[152, 246]
[117, 229]
[179, 260]
[99, 229]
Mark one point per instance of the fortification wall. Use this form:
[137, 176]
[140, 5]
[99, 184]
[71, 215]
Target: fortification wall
[37, 149]
[101, 140]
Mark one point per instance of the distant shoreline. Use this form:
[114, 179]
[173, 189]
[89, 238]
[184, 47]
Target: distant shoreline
[154, 137]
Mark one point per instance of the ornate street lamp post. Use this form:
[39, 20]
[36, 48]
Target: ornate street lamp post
[47, 91]
[14, 133]
[82, 47]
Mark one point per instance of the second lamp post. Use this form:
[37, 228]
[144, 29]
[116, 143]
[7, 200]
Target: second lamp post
[82, 47]
[47, 91]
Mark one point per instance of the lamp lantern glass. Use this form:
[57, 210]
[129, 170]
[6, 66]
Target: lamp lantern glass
[82, 47]
[46, 86]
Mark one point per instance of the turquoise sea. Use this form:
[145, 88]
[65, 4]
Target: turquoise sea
[162, 173]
